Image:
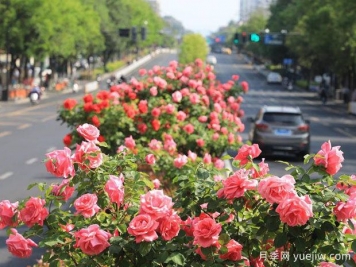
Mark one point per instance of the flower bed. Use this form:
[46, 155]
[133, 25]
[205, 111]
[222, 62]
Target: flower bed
[104, 212]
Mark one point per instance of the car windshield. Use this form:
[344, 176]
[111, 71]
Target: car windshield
[283, 118]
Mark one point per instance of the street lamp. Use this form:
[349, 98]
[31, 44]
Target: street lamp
[5, 92]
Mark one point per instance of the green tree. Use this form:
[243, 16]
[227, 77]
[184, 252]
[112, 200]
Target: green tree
[193, 46]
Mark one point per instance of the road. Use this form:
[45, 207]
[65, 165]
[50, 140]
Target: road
[28, 132]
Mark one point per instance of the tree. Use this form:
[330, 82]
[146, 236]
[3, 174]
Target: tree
[193, 47]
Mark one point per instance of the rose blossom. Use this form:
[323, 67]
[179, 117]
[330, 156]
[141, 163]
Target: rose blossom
[114, 187]
[86, 205]
[327, 264]
[155, 145]
[130, 142]
[169, 226]
[262, 170]
[275, 189]
[207, 158]
[219, 164]
[192, 155]
[295, 210]
[156, 183]
[247, 152]
[143, 227]
[150, 159]
[88, 132]
[200, 142]
[92, 240]
[188, 128]
[34, 212]
[177, 96]
[244, 86]
[180, 161]
[345, 210]
[236, 185]
[88, 156]
[7, 212]
[156, 204]
[181, 116]
[330, 158]
[234, 251]
[59, 163]
[206, 232]
[63, 190]
[156, 112]
[18, 245]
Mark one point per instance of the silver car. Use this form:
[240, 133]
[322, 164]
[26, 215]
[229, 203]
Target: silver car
[281, 130]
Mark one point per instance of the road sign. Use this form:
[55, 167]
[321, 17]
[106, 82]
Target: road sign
[274, 39]
[287, 61]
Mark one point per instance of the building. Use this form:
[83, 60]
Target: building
[155, 4]
[247, 7]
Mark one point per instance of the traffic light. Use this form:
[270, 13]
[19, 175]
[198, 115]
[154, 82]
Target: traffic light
[244, 37]
[134, 34]
[236, 39]
[254, 37]
[143, 33]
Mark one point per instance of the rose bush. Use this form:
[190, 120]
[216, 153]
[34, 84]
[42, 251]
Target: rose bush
[187, 102]
[103, 212]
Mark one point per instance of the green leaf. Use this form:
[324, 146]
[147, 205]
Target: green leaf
[353, 246]
[280, 240]
[202, 174]
[224, 239]
[122, 228]
[144, 248]
[177, 258]
[226, 157]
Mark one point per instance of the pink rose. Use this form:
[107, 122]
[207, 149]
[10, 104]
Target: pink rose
[170, 109]
[18, 245]
[234, 251]
[169, 226]
[330, 158]
[86, 205]
[246, 153]
[345, 210]
[206, 232]
[219, 164]
[63, 190]
[156, 204]
[150, 159]
[88, 156]
[200, 142]
[130, 142]
[59, 163]
[275, 189]
[7, 211]
[156, 112]
[192, 155]
[207, 158]
[188, 128]
[34, 212]
[153, 91]
[156, 183]
[114, 187]
[194, 98]
[177, 96]
[170, 146]
[181, 116]
[68, 227]
[203, 119]
[244, 86]
[262, 170]
[159, 82]
[327, 264]
[155, 145]
[236, 185]
[92, 240]
[295, 210]
[88, 132]
[180, 161]
[143, 227]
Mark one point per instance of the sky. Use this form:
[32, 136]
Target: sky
[201, 16]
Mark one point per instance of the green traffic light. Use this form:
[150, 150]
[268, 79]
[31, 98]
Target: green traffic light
[254, 37]
[236, 41]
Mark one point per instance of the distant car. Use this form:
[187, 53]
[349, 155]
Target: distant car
[211, 60]
[274, 77]
[281, 130]
[226, 50]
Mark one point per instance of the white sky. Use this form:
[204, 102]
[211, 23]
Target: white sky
[202, 16]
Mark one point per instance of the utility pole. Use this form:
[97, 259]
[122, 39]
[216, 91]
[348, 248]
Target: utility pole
[5, 92]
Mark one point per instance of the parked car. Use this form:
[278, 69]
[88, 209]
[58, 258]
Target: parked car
[281, 130]
[211, 60]
[274, 77]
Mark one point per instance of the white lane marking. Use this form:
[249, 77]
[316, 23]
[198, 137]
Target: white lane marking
[23, 126]
[31, 161]
[49, 118]
[2, 134]
[6, 175]
[51, 149]
[344, 132]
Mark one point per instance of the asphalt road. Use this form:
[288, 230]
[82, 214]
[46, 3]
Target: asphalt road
[28, 132]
